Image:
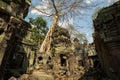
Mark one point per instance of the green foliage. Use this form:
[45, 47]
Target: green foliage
[40, 29]
[40, 23]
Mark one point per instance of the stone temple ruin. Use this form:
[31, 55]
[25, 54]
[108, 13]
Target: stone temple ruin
[18, 51]
[15, 43]
[107, 39]
[67, 59]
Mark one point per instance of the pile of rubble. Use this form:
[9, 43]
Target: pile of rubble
[64, 60]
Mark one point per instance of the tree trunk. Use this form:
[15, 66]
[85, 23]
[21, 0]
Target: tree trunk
[45, 47]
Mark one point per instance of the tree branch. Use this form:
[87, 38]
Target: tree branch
[55, 7]
[43, 12]
[70, 7]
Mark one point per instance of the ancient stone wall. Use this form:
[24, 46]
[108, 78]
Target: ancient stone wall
[13, 32]
[107, 39]
[65, 59]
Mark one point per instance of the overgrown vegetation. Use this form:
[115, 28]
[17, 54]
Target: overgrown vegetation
[39, 29]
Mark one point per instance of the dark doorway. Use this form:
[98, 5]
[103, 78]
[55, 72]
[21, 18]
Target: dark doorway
[63, 59]
[40, 58]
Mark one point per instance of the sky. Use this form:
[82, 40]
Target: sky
[83, 24]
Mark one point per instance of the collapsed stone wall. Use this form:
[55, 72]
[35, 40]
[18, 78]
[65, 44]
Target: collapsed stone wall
[107, 39]
[14, 43]
[65, 60]
[61, 44]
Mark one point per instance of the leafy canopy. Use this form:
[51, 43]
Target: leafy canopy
[39, 30]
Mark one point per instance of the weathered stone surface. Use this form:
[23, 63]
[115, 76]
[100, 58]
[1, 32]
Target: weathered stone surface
[107, 39]
[13, 61]
[12, 78]
[63, 59]
[15, 8]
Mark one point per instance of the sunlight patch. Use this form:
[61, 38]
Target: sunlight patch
[89, 1]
